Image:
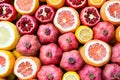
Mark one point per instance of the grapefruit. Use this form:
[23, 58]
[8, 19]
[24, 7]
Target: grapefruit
[96, 52]
[110, 11]
[117, 34]
[7, 61]
[26, 67]
[66, 19]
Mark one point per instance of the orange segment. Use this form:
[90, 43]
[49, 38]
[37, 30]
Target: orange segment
[96, 52]
[55, 3]
[96, 3]
[26, 6]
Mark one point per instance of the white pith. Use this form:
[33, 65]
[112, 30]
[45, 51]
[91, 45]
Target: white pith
[72, 12]
[66, 77]
[12, 34]
[107, 13]
[34, 67]
[4, 69]
[91, 59]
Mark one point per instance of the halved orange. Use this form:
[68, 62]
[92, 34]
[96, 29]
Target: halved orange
[96, 3]
[27, 67]
[26, 6]
[7, 61]
[96, 52]
[66, 19]
[55, 3]
[110, 11]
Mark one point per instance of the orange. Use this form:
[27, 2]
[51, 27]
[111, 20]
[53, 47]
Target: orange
[16, 53]
[96, 52]
[3, 79]
[117, 34]
[26, 67]
[96, 3]
[66, 19]
[55, 3]
[26, 6]
[7, 61]
[110, 11]
[84, 34]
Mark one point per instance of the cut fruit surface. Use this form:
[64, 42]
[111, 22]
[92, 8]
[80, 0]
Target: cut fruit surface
[96, 52]
[110, 11]
[9, 35]
[66, 19]
[26, 67]
[71, 75]
[7, 61]
[26, 6]
[84, 34]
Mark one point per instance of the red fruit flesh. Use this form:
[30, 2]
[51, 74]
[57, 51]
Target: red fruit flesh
[89, 16]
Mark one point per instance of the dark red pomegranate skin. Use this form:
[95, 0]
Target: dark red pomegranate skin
[50, 54]
[47, 33]
[68, 41]
[89, 72]
[28, 45]
[71, 61]
[111, 72]
[50, 72]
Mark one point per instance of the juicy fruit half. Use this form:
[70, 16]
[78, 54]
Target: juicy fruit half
[71, 75]
[26, 67]
[26, 6]
[110, 11]
[96, 52]
[9, 35]
[66, 19]
[7, 61]
[84, 34]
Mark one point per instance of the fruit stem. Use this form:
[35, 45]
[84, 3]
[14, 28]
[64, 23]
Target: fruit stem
[47, 31]
[50, 77]
[91, 76]
[28, 45]
[49, 54]
[68, 40]
[71, 60]
[105, 32]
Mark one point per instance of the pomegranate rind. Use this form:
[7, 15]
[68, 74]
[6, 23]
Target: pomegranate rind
[105, 15]
[34, 61]
[9, 65]
[85, 53]
[67, 29]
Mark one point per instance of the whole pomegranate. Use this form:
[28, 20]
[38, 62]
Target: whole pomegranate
[89, 72]
[28, 45]
[50, 72]
[50, 53]
[71, 61]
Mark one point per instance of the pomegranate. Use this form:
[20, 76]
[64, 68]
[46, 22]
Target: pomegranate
[115, 57]
[50, 54]
[50, 72]
[28, 45]
[7, 12]
[76, 4]
[45, 14]
[47, 33]
[89, 16]
[104, 31]
[89, 72]
[27, 24]
[4, 1]
[71, 61]
[68, 41]
[111, 72]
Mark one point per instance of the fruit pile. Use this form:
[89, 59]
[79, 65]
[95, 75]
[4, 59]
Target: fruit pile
[59, 39]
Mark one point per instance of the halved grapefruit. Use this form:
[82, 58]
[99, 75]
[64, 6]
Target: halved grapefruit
[66, 19]
[96, 52]
[110, 11]
[26, 67]
[7, 61]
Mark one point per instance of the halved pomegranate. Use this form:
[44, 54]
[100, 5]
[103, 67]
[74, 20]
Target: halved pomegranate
[45, 14]
[7, 12]
[89, 16]
[76, 4]
[27, 24]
